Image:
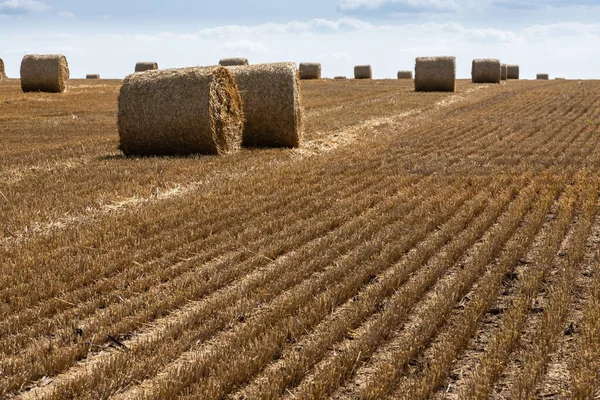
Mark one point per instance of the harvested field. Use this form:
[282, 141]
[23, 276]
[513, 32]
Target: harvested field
[418, 245]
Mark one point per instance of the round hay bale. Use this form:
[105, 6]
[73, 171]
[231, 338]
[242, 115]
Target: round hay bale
[435, 74]
[44, 73]
[504, 72]
[340, 78]
[180, 112]
[486, 71]
[405, 75]
[309, 70]
[146, 66]
[230, 62]
[363, 72]
[271, 102]
[542, 77]
[92, 76]
[512, 71]
[560, 79]
[2, 71]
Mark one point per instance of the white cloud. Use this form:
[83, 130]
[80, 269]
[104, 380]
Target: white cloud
[66, 14]
[563, 29]
[400, 5]
[17, 7]
[244, 46]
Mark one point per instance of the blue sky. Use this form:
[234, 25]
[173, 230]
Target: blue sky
[108, 37]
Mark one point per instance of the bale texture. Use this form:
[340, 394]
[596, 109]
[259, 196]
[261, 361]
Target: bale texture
[512, 71]
[363, 72]
[486, 71]
[146, 66]
[2, 71]
[405, 75]
[92, 76]
[542, 77]
[180, 112]
[230, 62]
[504, 72]
[271, 103]
[435, 74]
[310, 70]
[44, 73]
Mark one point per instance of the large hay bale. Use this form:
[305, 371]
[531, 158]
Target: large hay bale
[2, 71]
[271, 102]
[44, 73]
[435, 74]
[542, 77]
[512, 71]
[230, 62]
[143, 66]
[309, 70]
[405, 75]
[486, 71]
[504, 72]
[92, 76]
[180, 112]
[340, 78]
[363, 72]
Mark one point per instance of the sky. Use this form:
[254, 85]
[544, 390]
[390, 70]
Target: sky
[559, 37]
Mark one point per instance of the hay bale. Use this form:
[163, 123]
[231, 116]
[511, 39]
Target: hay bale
[230, 62]
[512, 71]
[363, 72]
[339, 78]
[44, 73]
[179, 112]
[271, 102]
[310, 70]
[486, 71]
[2, 71]
[560, 79]
[146, 66]
[405, 75]
[504, 72]
[542, 77]
[435, 74]
[92, 76]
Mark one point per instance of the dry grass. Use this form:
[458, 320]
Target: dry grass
[180, 112]
[429, 245]
[44, 73]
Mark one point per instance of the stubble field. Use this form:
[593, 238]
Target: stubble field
[418, 245]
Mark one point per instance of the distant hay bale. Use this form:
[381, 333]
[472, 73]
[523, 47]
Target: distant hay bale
[92, 76]
[486, 71]
[504, 72]
[44, 73]
[271, 103]
[309, 70]
[2, 71]
[180, 112]
[435, 74]
[512, 71]
[230, 62]
[560, 79]
[542, 77]
[363, 72]
[339, 78]
[146, 66]
[405, 75]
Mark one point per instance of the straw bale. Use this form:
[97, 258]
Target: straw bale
[309, 70]
[230, 62]
[504, 72]
[271, 102]
[2, 71]
[143, 66]
[486, 71]
[542, 77]
[512, 71]
[405, 75]
[92, 76]
[340, 78]
[179, 112]
[44, 73]
[363, 72]
[435, 74]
